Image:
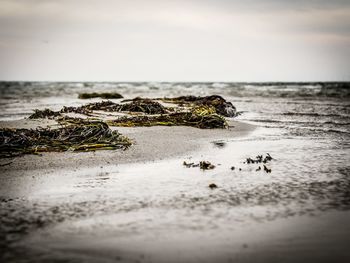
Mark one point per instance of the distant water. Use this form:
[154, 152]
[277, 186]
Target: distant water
[307, 108]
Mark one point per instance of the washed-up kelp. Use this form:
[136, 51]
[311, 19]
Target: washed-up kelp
[104, 95]
[195, 118]
[85, 136]
[221, 106]
[88, 108]
[46, 113]
[145, 106]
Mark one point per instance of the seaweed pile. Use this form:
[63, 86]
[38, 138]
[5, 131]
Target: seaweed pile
[146, 106]
[46, 113]
[103, 95]
[195, 118]
[83, 135]
[221, 106]
[201, 112]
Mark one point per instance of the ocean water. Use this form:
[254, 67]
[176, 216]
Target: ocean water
[163, 210]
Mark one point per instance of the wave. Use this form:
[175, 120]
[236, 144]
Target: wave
[301, 122]
[339, 90]
[313, 114]
[305, 90]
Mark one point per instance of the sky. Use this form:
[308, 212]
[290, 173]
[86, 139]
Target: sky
[175, 40]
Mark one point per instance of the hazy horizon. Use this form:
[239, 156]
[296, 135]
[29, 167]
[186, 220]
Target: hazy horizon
[175, 41]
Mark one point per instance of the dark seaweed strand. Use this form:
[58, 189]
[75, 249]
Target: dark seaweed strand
[86, 136]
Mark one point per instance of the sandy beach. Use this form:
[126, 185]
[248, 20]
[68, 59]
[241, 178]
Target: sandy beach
[150, 144]
[143, 205]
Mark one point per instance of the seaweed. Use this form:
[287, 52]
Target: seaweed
[206, 165]
[221, 106]
[205, 113]
[203, 165]
[103, 95]
[199, 118]
[83, 135]
[46, 113]
[79, 110]
[145, 106]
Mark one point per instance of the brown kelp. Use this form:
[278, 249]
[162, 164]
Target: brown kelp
[145, 106]
[203, 118]
[103, 95]
[46, 113]
[221, 106]
[84, 135]
[200, 112]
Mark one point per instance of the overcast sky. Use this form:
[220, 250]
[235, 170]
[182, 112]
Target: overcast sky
[175, 40]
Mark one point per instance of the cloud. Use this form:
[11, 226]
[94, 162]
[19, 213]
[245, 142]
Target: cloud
[198, 38]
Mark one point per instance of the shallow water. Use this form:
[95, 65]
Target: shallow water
[163, 210]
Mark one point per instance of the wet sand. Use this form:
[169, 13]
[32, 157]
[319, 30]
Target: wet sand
[142, 205]
[150, 144]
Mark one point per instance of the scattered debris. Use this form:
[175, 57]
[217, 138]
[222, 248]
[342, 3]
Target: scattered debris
[190, 165]
[219, 144]
[233, 168]
[213, 186]
[260, 159]
[46, 113]
[267, 170]
[104, 95]
[83, 135]
[205, 165]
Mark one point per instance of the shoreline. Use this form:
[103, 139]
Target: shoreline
[149, 144]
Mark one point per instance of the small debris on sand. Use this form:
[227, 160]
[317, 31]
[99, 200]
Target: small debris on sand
[232, 168]
[267, 170]
[213, 186]
[259, 159]
[205, 165]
